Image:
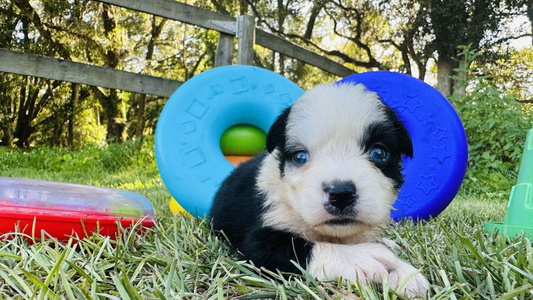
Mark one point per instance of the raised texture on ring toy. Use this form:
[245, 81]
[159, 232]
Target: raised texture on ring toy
[188, 132]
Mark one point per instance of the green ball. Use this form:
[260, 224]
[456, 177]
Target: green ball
[242, 139]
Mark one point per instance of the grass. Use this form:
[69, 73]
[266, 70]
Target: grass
[181, 259]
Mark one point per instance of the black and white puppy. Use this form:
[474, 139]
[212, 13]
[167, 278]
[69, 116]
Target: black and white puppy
[323, 192]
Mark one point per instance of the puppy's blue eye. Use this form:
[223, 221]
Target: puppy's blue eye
[379, 154]
[300, 157]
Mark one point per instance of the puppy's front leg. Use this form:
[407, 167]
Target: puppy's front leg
[365, 262]
[275, 249]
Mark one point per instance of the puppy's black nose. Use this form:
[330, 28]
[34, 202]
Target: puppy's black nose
[341, 194]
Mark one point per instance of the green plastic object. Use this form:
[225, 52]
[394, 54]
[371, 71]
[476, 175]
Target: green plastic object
[519, 217]
[242, 139]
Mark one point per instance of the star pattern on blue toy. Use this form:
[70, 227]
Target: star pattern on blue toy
[427, 183]
[429, 125]
[441, 133]
[407, 201]
[412, 102]
[440, 154]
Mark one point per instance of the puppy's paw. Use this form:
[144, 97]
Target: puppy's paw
[363, 262]
[416, 286]
[390, 244]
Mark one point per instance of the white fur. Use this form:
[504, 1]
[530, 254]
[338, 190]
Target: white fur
[365, 263]
[333, 114]
[416, 286]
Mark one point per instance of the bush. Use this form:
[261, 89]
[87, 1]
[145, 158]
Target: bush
[496, 125]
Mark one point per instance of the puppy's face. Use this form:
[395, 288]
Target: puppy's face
[337, 170]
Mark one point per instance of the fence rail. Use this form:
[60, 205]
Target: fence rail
[47, 67]
[63, 70]
[223, 23]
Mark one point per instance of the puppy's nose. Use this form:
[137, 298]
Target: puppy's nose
[341, 194]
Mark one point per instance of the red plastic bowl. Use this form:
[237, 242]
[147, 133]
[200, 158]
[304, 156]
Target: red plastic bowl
[40, 209]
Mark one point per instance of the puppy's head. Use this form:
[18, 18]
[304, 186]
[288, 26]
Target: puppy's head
[335, 167]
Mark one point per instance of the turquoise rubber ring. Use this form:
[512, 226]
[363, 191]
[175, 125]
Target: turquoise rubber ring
[189, 128]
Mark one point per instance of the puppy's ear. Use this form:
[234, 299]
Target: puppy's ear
[406, 144]
[276, 134]
[404, 138]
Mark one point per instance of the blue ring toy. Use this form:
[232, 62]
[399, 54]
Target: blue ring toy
[434, 175]
[189, 128]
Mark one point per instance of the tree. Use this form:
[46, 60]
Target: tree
[155, 32]
[8, 108]
[35, 110]
[33, 94]
[455, 23]
[397, 34]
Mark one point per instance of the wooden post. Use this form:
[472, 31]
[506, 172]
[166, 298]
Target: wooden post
[246, 35]
[224, 54]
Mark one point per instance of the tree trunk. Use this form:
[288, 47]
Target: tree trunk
[6, 115]
[116, 125]
[530, 17]
[315, 11]
[445, 66]
[111, 103]
[7, 138]
[139, 129]
[421, 70]
[155, 33]
[74, 98]
[26, 104]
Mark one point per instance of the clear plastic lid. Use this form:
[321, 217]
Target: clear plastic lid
[48, 197]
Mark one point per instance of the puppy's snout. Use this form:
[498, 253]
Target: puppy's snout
[341, 194]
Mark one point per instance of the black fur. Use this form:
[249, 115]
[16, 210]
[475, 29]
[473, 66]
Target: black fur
[276, 134]
[402, 135]
[276, 138]
[395, 137]
[236, 212]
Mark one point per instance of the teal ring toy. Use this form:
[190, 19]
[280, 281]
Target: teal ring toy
[189, 128]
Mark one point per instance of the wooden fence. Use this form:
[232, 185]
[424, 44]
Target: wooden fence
[243, 28]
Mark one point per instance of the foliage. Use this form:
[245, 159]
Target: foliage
[180, 258]
[90, 158]
[496, 125]
[398, 35]
[512, 71]
[38, 112]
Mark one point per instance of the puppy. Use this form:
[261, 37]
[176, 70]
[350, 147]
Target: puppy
[322, 194]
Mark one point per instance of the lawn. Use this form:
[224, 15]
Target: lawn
[181, 258]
